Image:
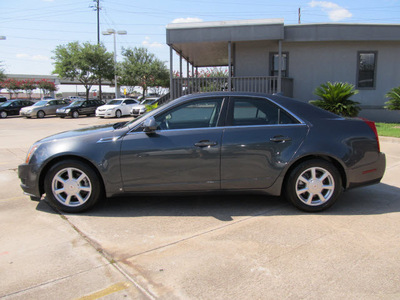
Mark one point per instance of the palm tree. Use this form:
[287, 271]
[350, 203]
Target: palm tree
[335, 97]
[394, 99]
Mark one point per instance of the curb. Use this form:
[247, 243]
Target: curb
[389, 139]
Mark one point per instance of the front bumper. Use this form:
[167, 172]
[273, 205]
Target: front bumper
[26, 114]
[105, 114]
[29, 179]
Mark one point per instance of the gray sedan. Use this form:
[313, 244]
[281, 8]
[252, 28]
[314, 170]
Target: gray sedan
[42, 108]
[209, 142]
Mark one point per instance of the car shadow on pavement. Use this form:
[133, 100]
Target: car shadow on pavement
[376, 199]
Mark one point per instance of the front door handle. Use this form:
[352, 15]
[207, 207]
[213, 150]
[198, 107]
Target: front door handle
[203, 144]
[280, 139]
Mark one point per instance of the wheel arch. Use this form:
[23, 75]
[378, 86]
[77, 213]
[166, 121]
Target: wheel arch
[65, 157]
[336, 163]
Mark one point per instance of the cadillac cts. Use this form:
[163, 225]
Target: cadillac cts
[208, 143]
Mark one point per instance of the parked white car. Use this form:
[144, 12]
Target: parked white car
[140, 109]
[116, 108]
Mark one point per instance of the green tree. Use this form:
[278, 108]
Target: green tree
[335, 97]
[2, 76]
[142, 68]
[394, 99]
[85, 63]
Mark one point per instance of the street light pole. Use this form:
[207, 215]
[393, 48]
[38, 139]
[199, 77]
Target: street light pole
[114, 32]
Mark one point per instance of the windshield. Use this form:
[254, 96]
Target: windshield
[115, 102]
[40, 103]
[7, 103]
[76, 103]
[148, 101]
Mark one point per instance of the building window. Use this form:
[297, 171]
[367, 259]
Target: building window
[366, 70]
[274, 64]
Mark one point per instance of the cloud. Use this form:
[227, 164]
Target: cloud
[187, 20]
[334, 11]
[32, 57]
[148, 43]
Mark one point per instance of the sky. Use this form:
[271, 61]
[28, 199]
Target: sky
[34, 28]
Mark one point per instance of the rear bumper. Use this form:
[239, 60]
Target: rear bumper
[368, 174]
[29, 179]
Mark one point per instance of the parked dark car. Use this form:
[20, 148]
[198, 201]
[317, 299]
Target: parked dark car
[79, 107]
[207, 143]
[12, 107]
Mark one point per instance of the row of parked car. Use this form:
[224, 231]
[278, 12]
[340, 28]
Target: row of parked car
[61, 108]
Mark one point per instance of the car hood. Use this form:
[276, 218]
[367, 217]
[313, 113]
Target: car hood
[87, 133]
[107, 106]
[138, 106]
[26, 108]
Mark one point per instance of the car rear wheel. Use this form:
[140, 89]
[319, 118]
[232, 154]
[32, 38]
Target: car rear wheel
[313, 185]
[3, 114]
[75, 114]
[40, 114]
[72, 186]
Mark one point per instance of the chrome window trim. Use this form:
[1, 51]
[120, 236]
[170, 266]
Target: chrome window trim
[272, 101]
[218, 127]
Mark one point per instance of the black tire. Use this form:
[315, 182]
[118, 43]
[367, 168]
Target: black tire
[40, 114]
[3, 114]
[89, 188]
[313, 185]
[75, 114]
[118, 114]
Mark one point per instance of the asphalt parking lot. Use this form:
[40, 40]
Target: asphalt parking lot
[218, 247]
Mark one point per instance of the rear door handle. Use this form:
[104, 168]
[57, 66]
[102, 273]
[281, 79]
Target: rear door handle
[280, 139]
[203, 144]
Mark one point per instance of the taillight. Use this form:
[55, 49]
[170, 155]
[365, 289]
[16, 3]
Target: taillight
[371, 124]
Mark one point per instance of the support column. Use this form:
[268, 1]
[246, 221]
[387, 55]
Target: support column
[171, 73]
[229, 66]
[180, 85]
[279, 85]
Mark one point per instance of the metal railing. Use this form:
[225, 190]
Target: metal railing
[257, 84]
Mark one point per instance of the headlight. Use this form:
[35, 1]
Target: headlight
[32, 150]
[67, 110]
[110, 109]
[29, 111]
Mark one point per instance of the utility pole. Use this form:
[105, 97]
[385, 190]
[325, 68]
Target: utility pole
[299, 15]
[96, 7]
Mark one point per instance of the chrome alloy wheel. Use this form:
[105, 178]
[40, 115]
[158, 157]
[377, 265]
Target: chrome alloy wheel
[315, 186]
[71, 187]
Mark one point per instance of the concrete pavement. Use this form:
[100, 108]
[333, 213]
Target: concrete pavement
[220, 247]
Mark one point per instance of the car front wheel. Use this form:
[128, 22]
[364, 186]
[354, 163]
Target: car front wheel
[3, 114]
[40, 114]
[118, 114]
[75, 114]
[72, 186]
[313, 185]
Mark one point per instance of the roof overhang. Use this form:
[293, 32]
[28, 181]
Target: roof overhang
[205, 43]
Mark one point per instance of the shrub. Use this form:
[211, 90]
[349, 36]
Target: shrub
[335, 97]
[394, 99]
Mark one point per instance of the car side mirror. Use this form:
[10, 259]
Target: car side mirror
[150, 125]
